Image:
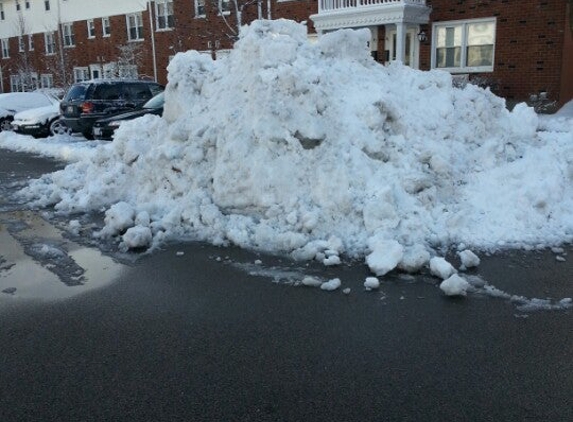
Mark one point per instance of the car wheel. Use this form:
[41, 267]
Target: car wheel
[5, 124]
[58, 127]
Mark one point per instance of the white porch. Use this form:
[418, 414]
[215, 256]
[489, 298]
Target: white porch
[397, 16]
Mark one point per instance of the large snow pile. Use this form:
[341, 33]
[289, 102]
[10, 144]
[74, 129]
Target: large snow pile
[318, 151]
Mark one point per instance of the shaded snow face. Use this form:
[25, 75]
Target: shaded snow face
[316, 150]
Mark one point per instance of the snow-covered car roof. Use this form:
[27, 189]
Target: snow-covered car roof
[14, 102]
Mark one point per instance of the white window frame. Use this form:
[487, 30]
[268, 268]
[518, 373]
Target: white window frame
[463, 24]
[16, 84]
[31, 42]
[50, 43]
[46, 80]
[81, 74]
[134, 21]
[91, 29]
[27, 4]
[5, 48]
[164, 17]
[224, 7]
[69, 38]
[47, 6]
[2, 15]
[200, 11]
[21, 44]
[18, 7]
[106, 26]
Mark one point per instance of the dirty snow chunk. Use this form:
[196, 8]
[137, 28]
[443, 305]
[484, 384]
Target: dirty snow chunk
[331, 260]
[311, 281]
[137, 237]
[371, 283]
[469, 259]
[331, 285]
[385, 256]
[415, 257]
[560, 258]
[347, 291]
[441, 268]
[119, 217]
[48, 251]
[455, 286]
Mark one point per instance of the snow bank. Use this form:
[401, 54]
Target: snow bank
[318, 151]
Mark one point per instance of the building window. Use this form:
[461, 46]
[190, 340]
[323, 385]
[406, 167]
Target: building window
[200, 8]
[18, 5]
[69, 39]
[2, 17]
[5, 48]
[27, 4]
[135, 27]
[50, 42]
[47, 80]
[81, 74]
[225, 7]
[30, 42]
[21, 44]
[106, 27]
[464, 46]
[164, 14]
[16, 84]
[47, 4]
[91, 28]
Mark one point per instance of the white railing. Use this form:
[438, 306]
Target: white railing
[330, 5]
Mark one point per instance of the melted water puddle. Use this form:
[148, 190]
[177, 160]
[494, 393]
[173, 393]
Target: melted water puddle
[37, 262]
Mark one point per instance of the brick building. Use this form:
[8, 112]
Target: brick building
[522, 50]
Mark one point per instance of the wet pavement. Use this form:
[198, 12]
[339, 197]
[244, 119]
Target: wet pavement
[194, 332]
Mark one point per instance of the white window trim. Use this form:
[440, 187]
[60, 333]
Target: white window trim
[46, 44]
[137, 17]
[103, 26]
[91, 29]
[21, 44]
[68, 29]
[462, 68]
[197, 14]
[30, 42]
[5, 48]
[220, 8]
[166, 16]
[46, 80]
[85, 74]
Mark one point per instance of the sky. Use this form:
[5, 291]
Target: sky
[320, 153]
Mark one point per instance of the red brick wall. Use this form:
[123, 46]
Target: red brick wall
[529, 43]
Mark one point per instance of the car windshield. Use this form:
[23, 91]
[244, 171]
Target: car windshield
[155, 102]
[76, 92]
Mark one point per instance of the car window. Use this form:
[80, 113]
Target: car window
[137, 92]
[156, 89]
[76, 92]
[107, 92]
[155, 102]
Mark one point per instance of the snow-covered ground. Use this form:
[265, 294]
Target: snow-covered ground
[317, 151]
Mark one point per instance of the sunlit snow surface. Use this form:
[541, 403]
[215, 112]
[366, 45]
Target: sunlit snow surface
[317, 151]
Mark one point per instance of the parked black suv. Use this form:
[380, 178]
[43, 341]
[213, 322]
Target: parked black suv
[86, 102]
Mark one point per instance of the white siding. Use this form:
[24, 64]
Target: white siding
[38, 20]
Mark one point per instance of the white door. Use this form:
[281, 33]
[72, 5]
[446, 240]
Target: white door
[411, 57]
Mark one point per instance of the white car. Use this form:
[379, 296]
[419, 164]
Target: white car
[40, 122]
[15, 102]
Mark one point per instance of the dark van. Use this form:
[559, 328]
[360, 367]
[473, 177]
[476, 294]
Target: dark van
[86, 102]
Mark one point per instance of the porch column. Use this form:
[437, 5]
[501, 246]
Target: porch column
[400, 41]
